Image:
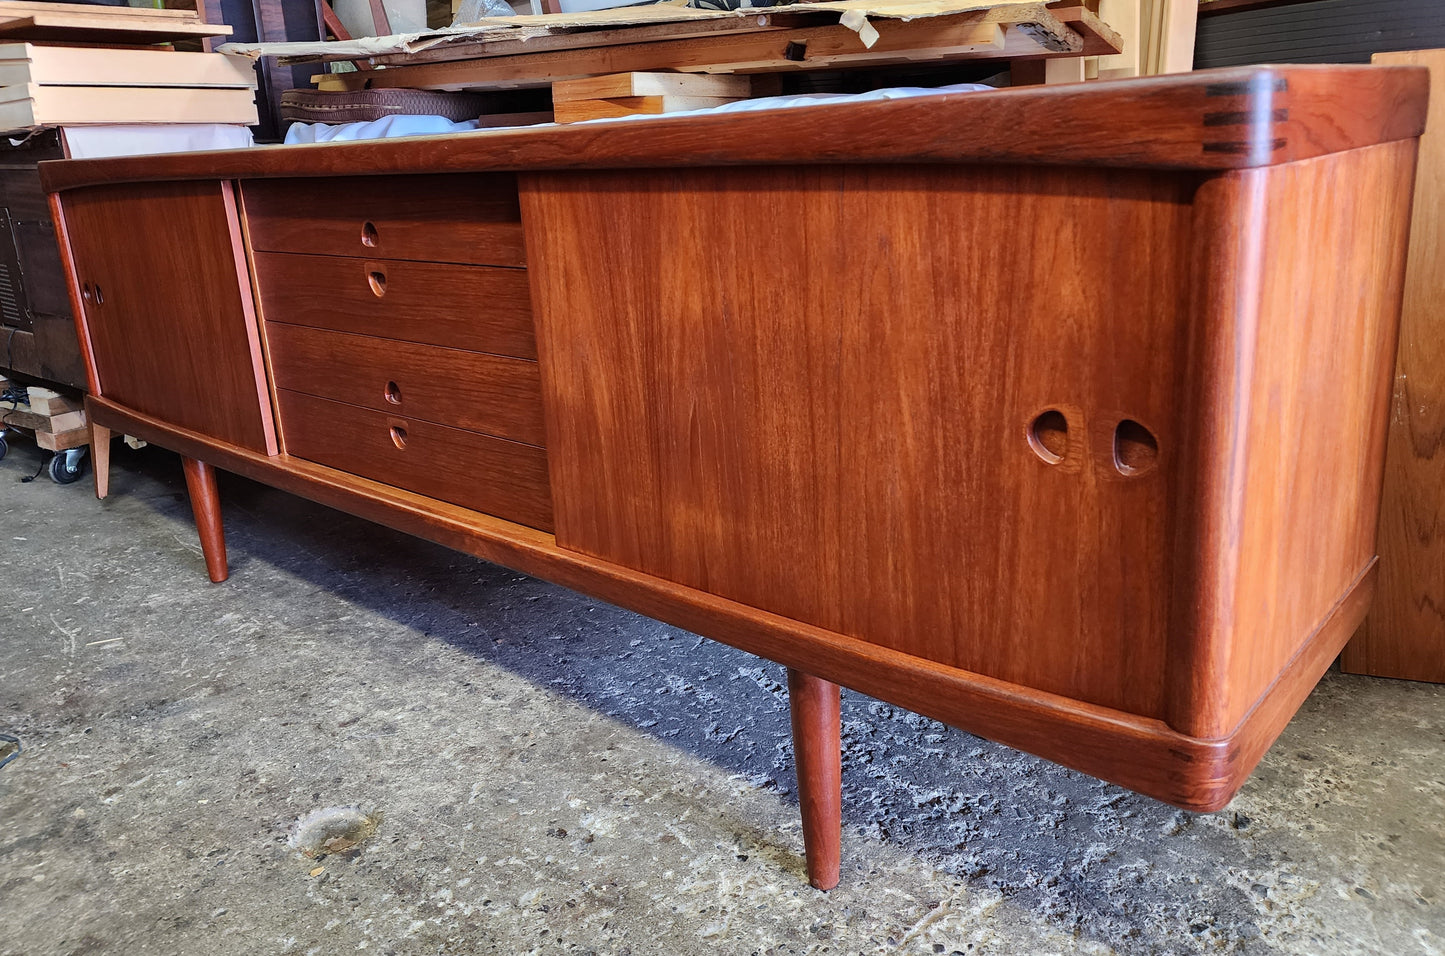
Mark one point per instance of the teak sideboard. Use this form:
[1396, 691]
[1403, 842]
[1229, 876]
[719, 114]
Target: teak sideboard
[1055, 413]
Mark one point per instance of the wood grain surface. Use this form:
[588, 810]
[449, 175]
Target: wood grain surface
[503, 478]
[206, 508]
[1404, 636]
[162, 285]
[814, 708]
[843, 436]
[490, 394]
[1213, 119]
[1291, 363]
[479, 308]
[467, 219]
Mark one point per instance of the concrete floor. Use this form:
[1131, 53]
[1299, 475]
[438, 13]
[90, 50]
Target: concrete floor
[557, 775]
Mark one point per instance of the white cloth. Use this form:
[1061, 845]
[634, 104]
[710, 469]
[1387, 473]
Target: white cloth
[433, 125]
[98, 142]
[384, 128]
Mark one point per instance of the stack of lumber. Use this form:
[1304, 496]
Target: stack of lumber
[57, 421]
[96, 23]
[628, 94]
[1158, 38]
[73, 86]
[44, 82]
[539, 51]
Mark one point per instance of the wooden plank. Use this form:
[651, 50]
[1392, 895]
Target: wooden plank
[651, 84]
[1241, 118]
[21, 418]
[64, 440]
[380, 23]
[87, 10]
[1176, 52]
[965, 36]
[31, 105]
[1404, 636]
[44, 401]
[22, 63]
[575, 39]
[99, 29]
[577, 111]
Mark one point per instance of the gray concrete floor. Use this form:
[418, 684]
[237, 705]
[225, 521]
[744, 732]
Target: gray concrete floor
[557, 775]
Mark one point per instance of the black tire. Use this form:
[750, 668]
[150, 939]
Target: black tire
[4, 446]
[62, 475]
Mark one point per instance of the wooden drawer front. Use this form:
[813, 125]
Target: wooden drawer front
[498, 477]
[491, 394]
[478, 308]
[471, 219]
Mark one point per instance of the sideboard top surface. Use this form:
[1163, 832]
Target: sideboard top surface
[1210, 120]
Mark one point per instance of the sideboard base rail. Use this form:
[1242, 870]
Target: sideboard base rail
[1140, 753]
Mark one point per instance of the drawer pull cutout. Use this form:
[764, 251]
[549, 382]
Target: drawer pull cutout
[393, 393]
[1049, 436]
[368, 234]
[1135, 448]
[398, 436]
[377, 280]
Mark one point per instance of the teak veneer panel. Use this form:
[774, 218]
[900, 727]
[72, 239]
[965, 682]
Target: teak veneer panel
[491, 475]
[480, 308]
[161, 274]
[1292, 365]
[491, 394]
[1404, 636]
[856, 411]
[465, 219]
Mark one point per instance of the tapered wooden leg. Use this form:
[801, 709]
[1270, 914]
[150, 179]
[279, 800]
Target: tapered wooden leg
[818, 756]
[100, 458]
[206, 506]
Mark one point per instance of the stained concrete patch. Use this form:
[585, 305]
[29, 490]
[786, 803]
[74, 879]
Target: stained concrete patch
[558, 775]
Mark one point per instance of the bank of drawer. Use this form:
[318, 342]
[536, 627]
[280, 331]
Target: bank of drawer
[498, 477]
[492, 394]
[477, 308]
[467, 218]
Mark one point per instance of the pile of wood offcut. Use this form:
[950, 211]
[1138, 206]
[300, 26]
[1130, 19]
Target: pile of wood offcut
[64, 64]
[636, 48]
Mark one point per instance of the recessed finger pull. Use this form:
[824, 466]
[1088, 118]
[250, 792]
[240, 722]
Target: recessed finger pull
[1049, 436]
[368, 234]
[1136, 450]
[377, 280]
[398, 436]
[392, 392]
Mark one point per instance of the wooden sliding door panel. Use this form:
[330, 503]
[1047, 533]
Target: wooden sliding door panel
[934, 408]
[167, 305]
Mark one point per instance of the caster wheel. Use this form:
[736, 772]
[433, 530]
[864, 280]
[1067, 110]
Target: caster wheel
[4, 446]
[66, 467]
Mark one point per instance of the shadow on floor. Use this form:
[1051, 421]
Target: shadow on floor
[1107, 863]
